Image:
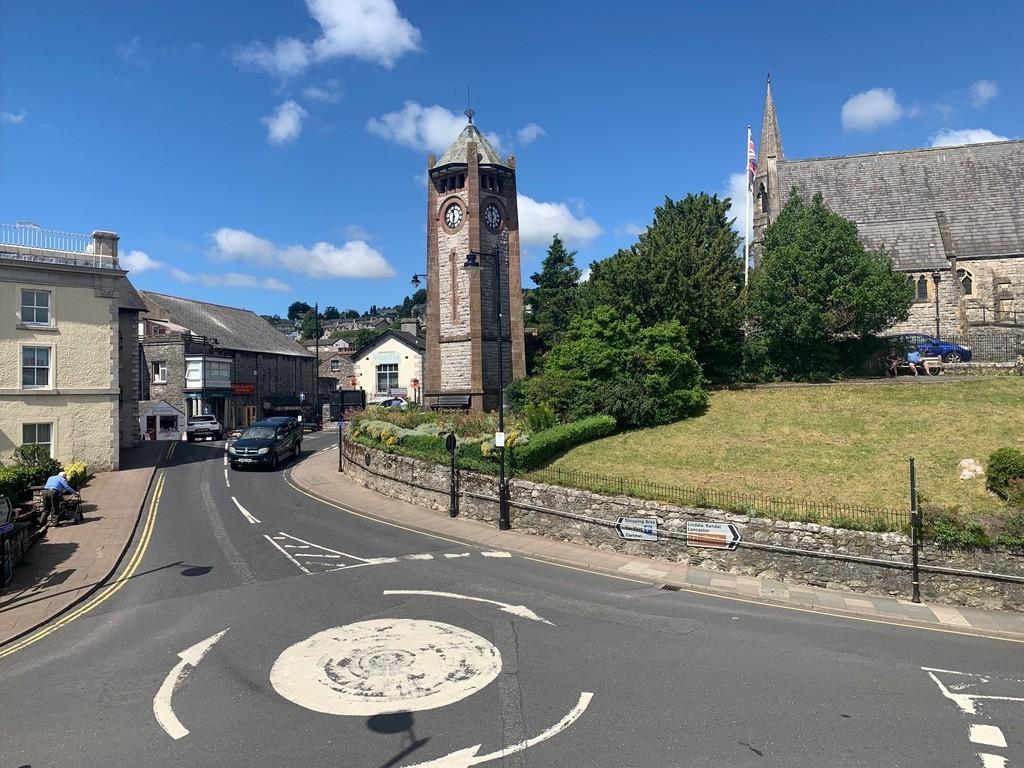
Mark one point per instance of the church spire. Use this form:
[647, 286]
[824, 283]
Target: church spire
[771, 139]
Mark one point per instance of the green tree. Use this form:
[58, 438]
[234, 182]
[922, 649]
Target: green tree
[298, 309]
[331, 313]
[310, 325]
[366, 336]
[640, 374]
[556, 297]
[350, 314]
[817, 286]
[684, 268]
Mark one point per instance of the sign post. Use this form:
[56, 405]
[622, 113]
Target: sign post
[453, 484]
[637, 528]
[703, 533]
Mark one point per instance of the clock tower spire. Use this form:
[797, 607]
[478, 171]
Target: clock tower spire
[471, 208]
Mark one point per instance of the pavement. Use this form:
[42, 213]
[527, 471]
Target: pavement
[69, 562]
[319, 477]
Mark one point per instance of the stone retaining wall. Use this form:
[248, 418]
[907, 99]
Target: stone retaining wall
[583, 517]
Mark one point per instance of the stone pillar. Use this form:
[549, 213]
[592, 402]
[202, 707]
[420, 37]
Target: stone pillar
[105, 244]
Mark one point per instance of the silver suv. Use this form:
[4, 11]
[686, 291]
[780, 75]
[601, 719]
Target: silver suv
[202, 427]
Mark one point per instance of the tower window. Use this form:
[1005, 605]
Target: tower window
[762, 195]
[921, 290]
[966, 278]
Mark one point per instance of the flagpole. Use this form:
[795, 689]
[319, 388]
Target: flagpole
[746, 220]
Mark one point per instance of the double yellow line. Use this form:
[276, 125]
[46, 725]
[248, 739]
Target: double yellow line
[170, 450]
[111, 589]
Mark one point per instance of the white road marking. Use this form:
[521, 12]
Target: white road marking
[966, 702]
[325, 549]
[381, 560]
[313, 554]
[162, 710]
[419, 557]
[988, 735]
[384, 666]
[245, 512]
[284, 552]
[225, 459]
[297, 546]
[496, 554]
[449, 555]
[992, 761]
[226, 478]
[516, 610]
[468, 757]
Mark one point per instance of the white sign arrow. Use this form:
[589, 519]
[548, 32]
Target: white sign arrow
[516, 610]
[467, 757]
[190, 657]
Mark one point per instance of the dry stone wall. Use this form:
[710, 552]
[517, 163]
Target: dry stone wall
[800, 553]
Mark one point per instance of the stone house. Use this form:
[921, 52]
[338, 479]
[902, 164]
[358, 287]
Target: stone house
[391, 365]
[68, 347]
[208, 358]
[948, 217]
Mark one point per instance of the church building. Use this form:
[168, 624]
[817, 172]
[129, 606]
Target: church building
[472, 217]
[950, 218]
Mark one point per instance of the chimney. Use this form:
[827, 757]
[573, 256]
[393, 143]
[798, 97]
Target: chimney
[105, 244]
[411, 325]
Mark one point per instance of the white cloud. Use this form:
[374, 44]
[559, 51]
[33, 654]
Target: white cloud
[138, 261]
[428, 129]
[13, 118]
[131, 51]
[182, 276]
[584, 275]
[286, 122]
[529, 133]
[372, 30]
[539, 222]
[950, 137]
[354, 259]
[239, 280]
[736, 190]
[983, 91]
[871, 109]
[328, 93]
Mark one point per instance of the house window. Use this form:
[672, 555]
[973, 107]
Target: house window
[160, 372]
[335, 365]
[38, 434]
[387, 376]
[921, 291]
[168, 423]
[35, 307]
[966, 278]
[35, 367]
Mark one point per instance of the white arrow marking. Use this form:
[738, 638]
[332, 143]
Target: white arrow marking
[245, 512]
[516, 610]
[467, 757]
[190, 657]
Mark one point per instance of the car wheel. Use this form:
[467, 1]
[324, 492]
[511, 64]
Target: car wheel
[297, 450]
[273, 462]
[952, 357]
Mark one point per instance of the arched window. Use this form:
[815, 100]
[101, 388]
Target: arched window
[966, 278]
[762, 195]
[921, 292]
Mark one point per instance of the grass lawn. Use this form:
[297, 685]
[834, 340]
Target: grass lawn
[846, 444]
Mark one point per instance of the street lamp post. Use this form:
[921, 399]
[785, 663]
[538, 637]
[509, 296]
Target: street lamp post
[472, 264]
[935, 280]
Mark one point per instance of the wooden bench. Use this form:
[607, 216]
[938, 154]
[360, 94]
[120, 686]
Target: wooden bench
[451, 402]
[934, 365]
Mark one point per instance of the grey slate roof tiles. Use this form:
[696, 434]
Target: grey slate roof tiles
[458, 152]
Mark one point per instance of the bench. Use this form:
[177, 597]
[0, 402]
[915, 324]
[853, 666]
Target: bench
[452, 401]
[934, 365]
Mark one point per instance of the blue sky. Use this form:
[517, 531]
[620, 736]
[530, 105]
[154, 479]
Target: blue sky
[257, 153]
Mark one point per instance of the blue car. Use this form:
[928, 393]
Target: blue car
[929, 346]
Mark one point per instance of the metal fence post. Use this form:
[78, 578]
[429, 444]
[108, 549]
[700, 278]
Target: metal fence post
[453, 481]
[915, 534]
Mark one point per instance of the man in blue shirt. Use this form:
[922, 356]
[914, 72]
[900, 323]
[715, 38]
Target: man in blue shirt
[914, 360]
[56, 485]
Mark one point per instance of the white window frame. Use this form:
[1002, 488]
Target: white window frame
[48, 323]
[159, 371]
[335, 365]
[377, 371]
[50, 368]
[38, 424]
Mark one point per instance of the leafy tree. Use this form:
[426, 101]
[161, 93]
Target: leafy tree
[275, 318]
[683, 268]
[298, 309]
[367, 336]
[818, 286]
[331, 313]
[640, 374]
[555, 299]
[350, 314]
[310, 325]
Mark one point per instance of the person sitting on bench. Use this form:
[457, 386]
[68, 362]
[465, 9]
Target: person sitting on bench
[914, 359]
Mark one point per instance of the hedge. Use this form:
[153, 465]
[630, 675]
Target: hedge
[77, 471]
[545, 445]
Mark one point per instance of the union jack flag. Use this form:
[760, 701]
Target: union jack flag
[751, 161]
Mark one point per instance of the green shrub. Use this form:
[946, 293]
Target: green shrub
[1012, 534]
[77, 472]
[1004, 465]
[16, 482]
[544, 446]
[539, 416]
[951, 529]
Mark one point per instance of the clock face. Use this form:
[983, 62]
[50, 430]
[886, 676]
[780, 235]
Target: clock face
[492, 217]
[453, 216]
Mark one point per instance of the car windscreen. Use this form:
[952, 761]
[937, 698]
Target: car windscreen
[202, 419]
[258, 433]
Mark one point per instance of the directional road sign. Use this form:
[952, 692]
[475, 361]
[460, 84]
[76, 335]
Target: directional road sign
[637, 528]
[702, 533]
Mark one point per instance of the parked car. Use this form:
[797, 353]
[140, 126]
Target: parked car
[390, 402]
[265, 443]
[202, 427]
[929, 346]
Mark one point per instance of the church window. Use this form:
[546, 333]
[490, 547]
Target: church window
[966, 278]
[921, 291]
[461, 180]
[762, 195]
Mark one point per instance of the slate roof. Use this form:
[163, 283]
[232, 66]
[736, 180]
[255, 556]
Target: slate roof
[893, 198]
[233, 328]
[458, 152]
[416, 343]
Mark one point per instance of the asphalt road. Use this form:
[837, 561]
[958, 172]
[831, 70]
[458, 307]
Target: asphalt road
[604, 672]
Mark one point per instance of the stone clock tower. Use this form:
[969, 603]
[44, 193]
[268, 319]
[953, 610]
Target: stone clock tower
[471, 207]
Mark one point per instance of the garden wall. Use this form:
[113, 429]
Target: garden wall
[583, 517]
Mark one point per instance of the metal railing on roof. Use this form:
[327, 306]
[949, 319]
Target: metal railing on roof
[31, 236]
